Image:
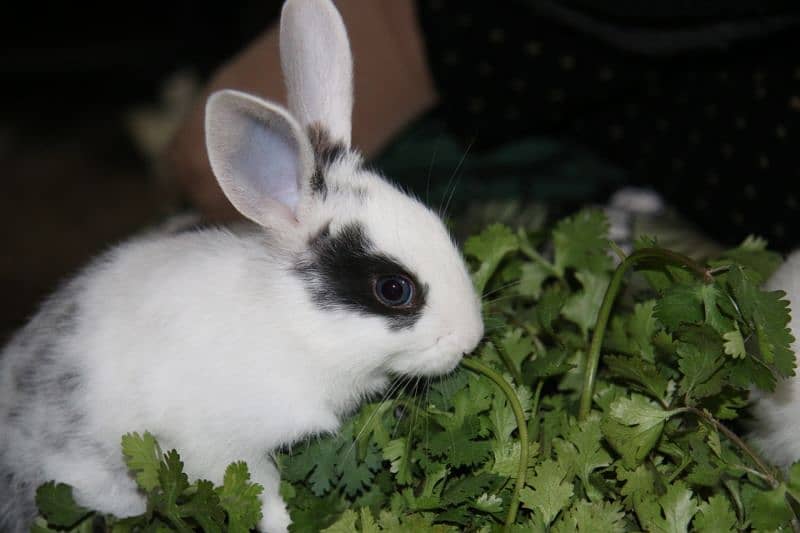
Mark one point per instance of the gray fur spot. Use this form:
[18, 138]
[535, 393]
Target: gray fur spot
[17, 507]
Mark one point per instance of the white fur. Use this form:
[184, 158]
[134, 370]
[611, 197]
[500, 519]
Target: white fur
[209, 339]
[317, 65]
[776, 430]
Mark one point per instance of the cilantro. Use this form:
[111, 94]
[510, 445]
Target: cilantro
[548, 492]
[57, 505]
[581, 242]
[239, 497]
[715, 516]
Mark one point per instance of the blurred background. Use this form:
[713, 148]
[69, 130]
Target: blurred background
[88, 93]
[544, 106]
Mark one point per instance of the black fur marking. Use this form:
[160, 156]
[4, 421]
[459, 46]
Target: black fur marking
[326, 151]
[342, 270]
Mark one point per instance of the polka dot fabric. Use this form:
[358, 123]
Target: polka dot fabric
[715, 130]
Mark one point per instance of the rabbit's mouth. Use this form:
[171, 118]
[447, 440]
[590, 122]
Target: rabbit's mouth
[442, 357]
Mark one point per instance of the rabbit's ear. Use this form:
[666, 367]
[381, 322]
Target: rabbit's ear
[260, 155]
[318, 66]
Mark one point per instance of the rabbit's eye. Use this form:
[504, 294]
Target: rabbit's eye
[394, 291]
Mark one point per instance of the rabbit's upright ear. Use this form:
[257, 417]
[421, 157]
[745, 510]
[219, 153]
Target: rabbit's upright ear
[318, 67]
[261, 156]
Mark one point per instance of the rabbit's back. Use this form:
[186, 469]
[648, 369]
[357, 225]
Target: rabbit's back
[38, 403]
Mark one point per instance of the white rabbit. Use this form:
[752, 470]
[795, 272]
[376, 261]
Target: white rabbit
[776, 416]
[229, 345]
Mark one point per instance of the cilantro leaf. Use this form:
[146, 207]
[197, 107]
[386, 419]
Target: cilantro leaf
[56, 503]
[204, 508]
[396, 452]
[345, 524]
[582, 307]
[671, 513]
[639, 371]
[590, 517]
[548, 492]
[143, 457]
[715, 516]
[582, 449]
[240, 498]
[767, 509]
[532, 276]
[767, 313]
[681, 304]
[734, 344]
[633, 426]
[581, 242]
[489, 248]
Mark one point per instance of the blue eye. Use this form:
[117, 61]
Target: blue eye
[394, 291]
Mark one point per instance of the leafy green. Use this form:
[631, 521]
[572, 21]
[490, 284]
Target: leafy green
[57, 505]
[656, 452]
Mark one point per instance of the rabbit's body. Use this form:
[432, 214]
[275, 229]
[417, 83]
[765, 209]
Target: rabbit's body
[228, 345]
[776, 416]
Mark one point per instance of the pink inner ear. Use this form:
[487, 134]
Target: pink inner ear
[259, 155]
[267, 163]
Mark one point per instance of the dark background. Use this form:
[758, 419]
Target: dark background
[73, 179]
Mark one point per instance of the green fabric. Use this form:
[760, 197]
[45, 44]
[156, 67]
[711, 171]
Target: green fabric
[511, 183]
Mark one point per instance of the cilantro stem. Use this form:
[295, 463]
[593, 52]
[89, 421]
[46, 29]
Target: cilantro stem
[479, 368]
[516, 374]
[603, 316]
[734, 438]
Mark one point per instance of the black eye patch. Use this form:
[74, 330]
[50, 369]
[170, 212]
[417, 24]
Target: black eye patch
[342, 272]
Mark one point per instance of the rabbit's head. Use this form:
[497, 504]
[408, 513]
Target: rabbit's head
[360, 246]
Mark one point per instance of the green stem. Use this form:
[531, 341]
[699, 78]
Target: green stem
[734, 438]
[593, 358]
[510, 365]
[513, 401]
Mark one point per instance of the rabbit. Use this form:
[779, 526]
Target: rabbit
[775, 428]
[228, 345]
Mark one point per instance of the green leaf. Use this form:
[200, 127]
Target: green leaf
[204, 507]
[701, 369]
[640, 483]
[368, 524]
[548, 492]
[173, 483]
[240, 498]
[586, 453]
[396, 453]
[489, 503]
[768, 314]
[753, 255]
[143, 457]
[532, 276]
[345, 524]
[517, 346]
[552, 362]
[768, 509]
[468, 488]
[583, 306]
[316, 462]
[715, 516]
[489, 248]
[581, 242]
[549, 306]
[734, 344]
[57, 505]
[639, 371]
[677, 505]
[591, 517]
[681, 304]
[633, 427]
